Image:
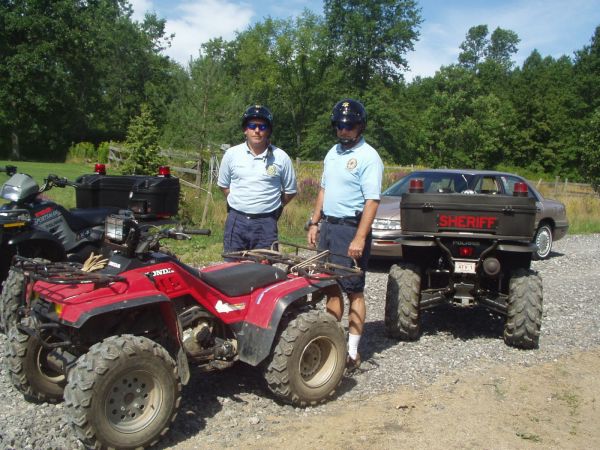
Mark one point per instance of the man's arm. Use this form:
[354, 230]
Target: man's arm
[225, 191]
[357, 246]
[286, 198]
[311, 236]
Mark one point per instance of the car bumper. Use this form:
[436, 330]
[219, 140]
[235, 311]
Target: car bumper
[386, 248]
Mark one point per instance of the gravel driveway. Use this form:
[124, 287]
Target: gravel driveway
[219, 408]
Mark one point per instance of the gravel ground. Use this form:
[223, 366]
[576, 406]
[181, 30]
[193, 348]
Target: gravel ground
[219, 408]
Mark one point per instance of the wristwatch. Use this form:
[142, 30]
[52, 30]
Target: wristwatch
[310, 223]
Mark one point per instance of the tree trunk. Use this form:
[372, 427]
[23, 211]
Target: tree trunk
[15, 153]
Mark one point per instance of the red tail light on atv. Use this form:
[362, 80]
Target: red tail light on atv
[416, 186]
[465, 252]
[100, 169]
[164, 171]
[520, 189]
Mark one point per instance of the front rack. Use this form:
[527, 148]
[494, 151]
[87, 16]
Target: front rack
[61, 272]
[314, 266]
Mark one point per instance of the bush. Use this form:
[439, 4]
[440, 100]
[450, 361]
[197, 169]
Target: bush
[103, 152]
[81, 152]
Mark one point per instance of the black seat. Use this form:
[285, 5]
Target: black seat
[243, 278]
[80, 218]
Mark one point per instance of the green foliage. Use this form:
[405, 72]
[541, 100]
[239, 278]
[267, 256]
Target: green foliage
[142, 143]
[82, 151]
[103, 151]
[591, 154]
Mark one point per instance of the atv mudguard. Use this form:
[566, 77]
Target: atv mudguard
[50, 247]
[169, 315]
[255, 343]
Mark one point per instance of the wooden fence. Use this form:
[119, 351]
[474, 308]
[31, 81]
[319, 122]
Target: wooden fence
[204, 170]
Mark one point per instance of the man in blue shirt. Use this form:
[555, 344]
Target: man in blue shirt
[346, 205]
[258, 180]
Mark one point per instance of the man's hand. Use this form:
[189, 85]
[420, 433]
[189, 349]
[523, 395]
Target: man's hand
[355, 250]
[311, 235]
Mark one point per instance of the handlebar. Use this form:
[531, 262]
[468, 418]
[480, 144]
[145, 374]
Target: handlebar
[54, 180]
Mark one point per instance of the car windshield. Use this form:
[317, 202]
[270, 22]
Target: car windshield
[432, 182]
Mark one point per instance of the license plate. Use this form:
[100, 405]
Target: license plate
[464, 267]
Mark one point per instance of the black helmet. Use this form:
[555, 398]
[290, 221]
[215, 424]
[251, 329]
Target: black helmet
[349, 111]
[257, 112]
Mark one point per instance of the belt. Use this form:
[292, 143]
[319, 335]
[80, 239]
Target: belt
[254, 216]
[342, 220]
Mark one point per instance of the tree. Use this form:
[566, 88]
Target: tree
[370, 38]
[591, 155]
[74, 70]
[142, 143]
[477, 48]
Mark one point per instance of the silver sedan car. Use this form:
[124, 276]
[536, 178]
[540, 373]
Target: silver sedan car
[551, 219]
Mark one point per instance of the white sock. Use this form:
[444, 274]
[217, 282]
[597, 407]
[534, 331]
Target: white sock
[353, 340]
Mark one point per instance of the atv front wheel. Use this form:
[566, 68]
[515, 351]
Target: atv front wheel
[123, 393]
[309, 359]
[29, 368]
[524, 315]
[402, 316]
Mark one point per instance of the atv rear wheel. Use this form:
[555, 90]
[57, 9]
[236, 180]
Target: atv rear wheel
[123, 393]
[30, 371]
[402, 316]
[524, 315]
[309, 359]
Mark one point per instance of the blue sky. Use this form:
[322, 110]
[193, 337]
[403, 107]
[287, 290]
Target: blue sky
[553, 27]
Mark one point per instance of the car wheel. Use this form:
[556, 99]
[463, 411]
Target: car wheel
[543, 241]
[524, 314]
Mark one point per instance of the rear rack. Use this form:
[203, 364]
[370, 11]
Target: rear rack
[61, 272]
[304, 266]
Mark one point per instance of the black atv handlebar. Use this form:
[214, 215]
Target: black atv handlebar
[54, 180]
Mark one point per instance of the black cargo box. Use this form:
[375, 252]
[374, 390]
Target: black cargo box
[146, 196]
[155, 197]
[499, 216]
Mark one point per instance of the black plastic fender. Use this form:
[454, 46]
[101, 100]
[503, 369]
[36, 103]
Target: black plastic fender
[170, 319]
[53, 248]
[255, 343]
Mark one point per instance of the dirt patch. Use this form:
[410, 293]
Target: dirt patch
[553, 405]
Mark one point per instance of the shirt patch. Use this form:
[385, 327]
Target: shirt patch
[272, 170]
[351, 164]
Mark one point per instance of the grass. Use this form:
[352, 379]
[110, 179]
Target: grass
[583, 209]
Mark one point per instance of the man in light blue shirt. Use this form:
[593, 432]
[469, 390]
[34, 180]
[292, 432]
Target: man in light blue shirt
[346, 206]
[258, 180]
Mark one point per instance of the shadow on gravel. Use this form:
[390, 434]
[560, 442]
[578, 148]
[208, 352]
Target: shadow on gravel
[463, 323]
[215, 393]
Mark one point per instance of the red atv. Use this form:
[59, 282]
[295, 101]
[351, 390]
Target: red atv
[118, 342]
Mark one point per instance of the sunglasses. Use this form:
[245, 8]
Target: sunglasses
[254, 126]
[345, 125]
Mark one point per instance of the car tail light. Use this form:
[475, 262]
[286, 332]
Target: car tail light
[465, 252]
[520, 189]
[416, 186]
[100, 169]
[164, 171]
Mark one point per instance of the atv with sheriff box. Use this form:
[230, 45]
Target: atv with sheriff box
[466, 250]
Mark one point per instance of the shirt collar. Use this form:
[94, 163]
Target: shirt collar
[341, 150]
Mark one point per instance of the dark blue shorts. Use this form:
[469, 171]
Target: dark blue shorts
[336, 238]
[244, 233]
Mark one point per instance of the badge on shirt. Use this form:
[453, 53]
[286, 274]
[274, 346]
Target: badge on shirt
[272, 170]
[351, 164]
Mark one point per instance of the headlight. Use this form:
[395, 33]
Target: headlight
[386, 224]
[115, 229]
[11, 193]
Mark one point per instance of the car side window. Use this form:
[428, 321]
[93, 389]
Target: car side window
[487, 185]
[509, 184]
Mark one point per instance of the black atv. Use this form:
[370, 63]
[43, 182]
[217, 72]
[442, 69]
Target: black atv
[466, 250]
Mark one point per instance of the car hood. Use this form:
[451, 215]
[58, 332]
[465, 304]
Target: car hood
[389, 208]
